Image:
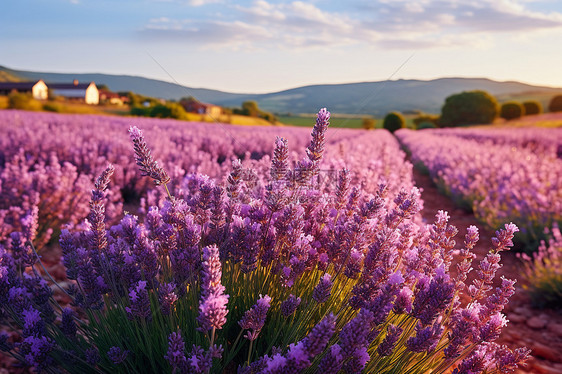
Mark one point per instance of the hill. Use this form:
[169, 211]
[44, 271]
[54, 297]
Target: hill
[375, 98]
[117, 83]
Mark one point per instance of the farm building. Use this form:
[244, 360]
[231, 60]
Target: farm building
[193, 106]
[76, 91]
[112, 98]
[38, 89]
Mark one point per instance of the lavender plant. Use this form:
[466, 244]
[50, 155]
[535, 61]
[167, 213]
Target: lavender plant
[292, 277]
[542, 273]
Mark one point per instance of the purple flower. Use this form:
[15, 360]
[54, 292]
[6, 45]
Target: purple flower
[507, 360]
[431, 299]
[463, 326]
[68, 326]
[213, 301]
[176, 353]
[321, 292]
[332, 361]
[32, 322]
[353, 336]
[146, 163]
[280, 160]
[316, 147]
[318, 338]
[290, 305]
[167, 297]
[426, 338]
[92, 356]
[140, 302]
[390, 340]
[254, 319]
[35, 350]
[492, 329]
[117, 355]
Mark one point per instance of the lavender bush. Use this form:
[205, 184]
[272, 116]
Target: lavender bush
[543, 271]
[298, 275]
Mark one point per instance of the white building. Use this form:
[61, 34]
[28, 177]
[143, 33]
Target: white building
[38, 89]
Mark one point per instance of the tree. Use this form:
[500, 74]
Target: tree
[512, 110]
[532, 107]
[393, 121]
[368, 123]
[555, 104]
[250, 108]
[469, 107]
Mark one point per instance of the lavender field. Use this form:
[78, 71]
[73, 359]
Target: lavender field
[506, 174]
[198, 248]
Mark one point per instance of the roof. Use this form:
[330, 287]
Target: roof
[17, 85]
[69, 86]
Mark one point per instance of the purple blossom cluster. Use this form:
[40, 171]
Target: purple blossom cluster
[266, 264]
[506, 174]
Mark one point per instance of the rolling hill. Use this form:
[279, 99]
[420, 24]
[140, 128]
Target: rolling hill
[375, 98]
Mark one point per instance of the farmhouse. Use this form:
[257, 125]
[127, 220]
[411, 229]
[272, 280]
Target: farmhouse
[193, 106]
[88, 92]
[37, 89]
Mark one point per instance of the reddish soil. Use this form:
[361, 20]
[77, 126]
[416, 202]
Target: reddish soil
[538, 329]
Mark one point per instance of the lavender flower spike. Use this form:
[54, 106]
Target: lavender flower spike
[316, 147]
[322, 291]
[212, 308]
[146, 163]
[254, 318]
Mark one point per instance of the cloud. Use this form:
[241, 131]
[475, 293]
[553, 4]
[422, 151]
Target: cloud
[392, 24]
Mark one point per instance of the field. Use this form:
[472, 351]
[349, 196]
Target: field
[343, 121]
[269, 248]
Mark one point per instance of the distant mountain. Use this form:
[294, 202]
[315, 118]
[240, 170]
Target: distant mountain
[375, 98]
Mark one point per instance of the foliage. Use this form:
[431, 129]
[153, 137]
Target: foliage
[23, 101]
[532, 107]
[294, 276]
[512, 110]
[426, 125]
[393, 121]
[555, 104]
[425, 118]
[251, 109]
[467, 108]
[543, 272]
[368, 123]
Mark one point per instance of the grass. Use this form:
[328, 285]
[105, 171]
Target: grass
[339, 121]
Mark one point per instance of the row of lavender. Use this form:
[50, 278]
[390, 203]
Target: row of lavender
[48, 162]
[506, 174]
[298, 275]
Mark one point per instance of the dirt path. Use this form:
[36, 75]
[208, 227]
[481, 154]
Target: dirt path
[540, 330]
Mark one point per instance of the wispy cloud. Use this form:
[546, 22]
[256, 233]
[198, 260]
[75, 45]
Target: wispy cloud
[392, 24]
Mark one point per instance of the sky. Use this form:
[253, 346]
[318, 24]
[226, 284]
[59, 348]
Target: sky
[260, 46]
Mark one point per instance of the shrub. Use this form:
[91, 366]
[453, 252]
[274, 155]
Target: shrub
[532, 107]
[19, 100]
[426, 125]
[393, 121]
[427, 118]
[511, 110]
[468, 108]
[290, 280]
[52, 107]
[543, 272]
[368, 123]
[555, 104]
